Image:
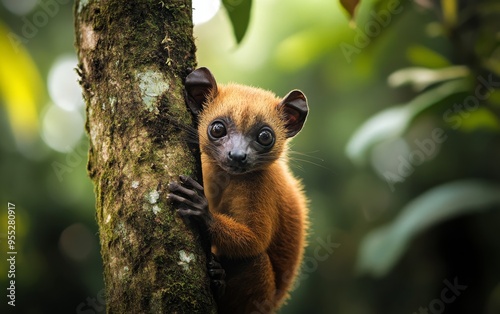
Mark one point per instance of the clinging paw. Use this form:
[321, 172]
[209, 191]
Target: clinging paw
[191, 200]
[217, 277]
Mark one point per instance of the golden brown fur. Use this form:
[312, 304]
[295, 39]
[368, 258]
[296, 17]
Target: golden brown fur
[260, 217]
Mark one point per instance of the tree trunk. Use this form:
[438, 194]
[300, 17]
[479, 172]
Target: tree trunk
[133, 57]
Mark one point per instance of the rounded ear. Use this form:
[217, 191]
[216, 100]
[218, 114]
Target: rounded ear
[295, 109]
[199, 84]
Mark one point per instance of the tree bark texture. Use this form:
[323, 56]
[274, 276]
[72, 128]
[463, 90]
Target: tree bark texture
[133, 57]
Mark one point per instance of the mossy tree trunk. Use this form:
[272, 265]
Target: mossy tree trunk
[133, 56]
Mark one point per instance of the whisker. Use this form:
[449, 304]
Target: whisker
[309, 162]
[306, 154]
[307, 158]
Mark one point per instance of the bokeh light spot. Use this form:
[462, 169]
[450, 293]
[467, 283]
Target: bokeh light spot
[61, 129]
[204, 10]
[63, 83]
[76, 242]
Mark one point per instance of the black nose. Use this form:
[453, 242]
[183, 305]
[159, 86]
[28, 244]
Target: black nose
[238, 156]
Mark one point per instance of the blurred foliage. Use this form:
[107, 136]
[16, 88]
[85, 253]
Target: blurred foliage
[20, 86]
[382, 247]
[399, 155]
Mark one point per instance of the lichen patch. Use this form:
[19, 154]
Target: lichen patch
[185, 259]
[156, 209]
[153, 196]
[82, 4]
[89, 37]
[112, 102]
[152, 85]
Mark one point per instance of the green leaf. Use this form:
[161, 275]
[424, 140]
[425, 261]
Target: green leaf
[392, 122]
[383, 247]
[481, 118]
[239, 15]
[386, 124]
[421, 78]
[425, 57]
[493, 65]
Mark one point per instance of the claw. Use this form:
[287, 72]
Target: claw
[189, 212]
[191, 200]
[191, 182]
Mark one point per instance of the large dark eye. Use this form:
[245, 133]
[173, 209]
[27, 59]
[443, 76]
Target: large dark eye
[265, 137]
[217, 130]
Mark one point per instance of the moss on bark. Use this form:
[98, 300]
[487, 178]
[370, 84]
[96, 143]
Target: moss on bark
[133, 56]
